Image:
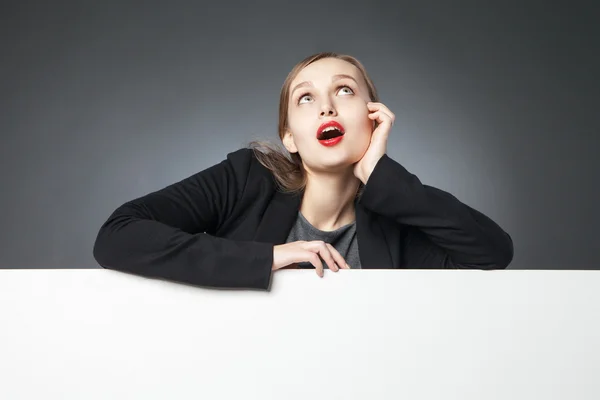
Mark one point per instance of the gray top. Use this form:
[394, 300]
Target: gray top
[342, 239]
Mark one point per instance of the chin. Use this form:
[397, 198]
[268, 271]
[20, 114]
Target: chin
[336, 162]
[341, 156]
[358, 153]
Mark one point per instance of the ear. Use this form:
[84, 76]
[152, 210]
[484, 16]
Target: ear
[288, 142]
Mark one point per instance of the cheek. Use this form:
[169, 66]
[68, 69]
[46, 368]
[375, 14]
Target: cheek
[301, 130]
[365, 129]
[362, 120]
[360, 113]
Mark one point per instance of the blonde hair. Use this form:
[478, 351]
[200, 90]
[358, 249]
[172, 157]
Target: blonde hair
[286, 167]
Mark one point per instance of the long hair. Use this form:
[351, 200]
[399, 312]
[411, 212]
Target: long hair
[286, 167]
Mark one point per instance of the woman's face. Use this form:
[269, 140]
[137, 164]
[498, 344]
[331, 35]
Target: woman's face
[330, 90]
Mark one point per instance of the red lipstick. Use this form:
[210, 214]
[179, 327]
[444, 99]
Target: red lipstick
[331, 142]
[331, 136]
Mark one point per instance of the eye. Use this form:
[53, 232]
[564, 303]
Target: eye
[347, 87]
[338, 88]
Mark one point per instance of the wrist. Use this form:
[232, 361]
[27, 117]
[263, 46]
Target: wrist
[364, 175]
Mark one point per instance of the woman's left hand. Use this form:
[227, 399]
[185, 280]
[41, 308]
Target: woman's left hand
[378, 146]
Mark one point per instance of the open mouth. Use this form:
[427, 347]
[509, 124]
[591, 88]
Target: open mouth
[330, 130]
[330, 133]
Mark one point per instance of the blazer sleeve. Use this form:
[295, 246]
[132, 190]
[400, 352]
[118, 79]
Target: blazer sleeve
[167, 234]
[442, 232]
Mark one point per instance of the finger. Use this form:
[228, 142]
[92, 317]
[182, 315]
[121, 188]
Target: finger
[381, 117]
[314, 259]
[320, 247]
[382, 113]
[337, 257]
[325, 252]
[381, 107]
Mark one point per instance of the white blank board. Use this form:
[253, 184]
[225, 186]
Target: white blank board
[355, 334]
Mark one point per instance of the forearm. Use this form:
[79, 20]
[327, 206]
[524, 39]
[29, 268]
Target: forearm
[465, 234]
[153, 249]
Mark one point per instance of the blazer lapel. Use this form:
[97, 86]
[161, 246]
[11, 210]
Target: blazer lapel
[373, 248]
[278, 219]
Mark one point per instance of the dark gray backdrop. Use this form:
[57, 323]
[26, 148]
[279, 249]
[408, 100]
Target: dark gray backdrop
[102, 102]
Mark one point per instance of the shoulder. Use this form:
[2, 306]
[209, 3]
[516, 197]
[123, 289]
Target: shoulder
[247, 169]
[245, 162]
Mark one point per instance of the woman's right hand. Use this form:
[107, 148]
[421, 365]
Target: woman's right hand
[287, 254]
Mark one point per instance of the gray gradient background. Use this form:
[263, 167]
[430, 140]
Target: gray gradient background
[102, 102]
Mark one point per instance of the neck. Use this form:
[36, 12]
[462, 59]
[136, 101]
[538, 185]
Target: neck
[328, 200]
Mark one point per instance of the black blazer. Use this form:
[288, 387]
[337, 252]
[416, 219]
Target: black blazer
[217, 228]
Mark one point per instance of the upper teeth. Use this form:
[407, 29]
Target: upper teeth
[330, 128]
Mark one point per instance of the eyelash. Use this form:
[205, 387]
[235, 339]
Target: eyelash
[337, 88]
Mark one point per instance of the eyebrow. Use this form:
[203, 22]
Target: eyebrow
[333, 79]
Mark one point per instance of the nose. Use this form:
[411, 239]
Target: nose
[327, 110]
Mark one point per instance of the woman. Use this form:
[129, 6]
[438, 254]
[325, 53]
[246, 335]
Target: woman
[332, 195]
